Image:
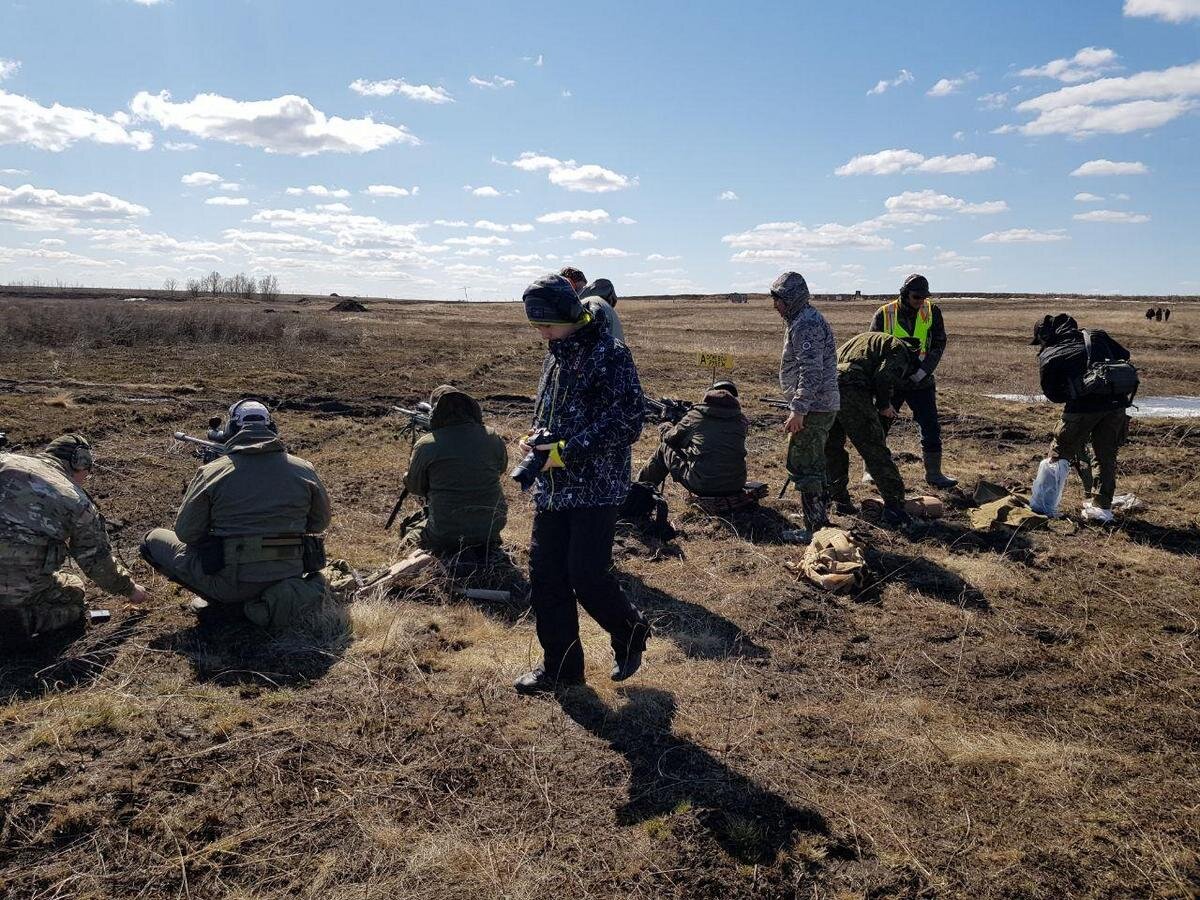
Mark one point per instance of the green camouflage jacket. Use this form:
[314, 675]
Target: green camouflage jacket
[44, 518]
[875, 362]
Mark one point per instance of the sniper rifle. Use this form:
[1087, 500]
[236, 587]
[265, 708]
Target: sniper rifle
[666, 409]
[418, 419]
[206, 450]
[779, 403]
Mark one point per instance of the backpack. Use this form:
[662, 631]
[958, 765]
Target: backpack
[1105, 377]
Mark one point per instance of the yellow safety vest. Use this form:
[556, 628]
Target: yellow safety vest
[924, 321]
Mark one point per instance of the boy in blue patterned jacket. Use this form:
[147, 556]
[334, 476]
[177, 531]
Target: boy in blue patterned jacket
[591, 401]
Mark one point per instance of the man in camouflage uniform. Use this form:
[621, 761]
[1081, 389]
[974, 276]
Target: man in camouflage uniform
[239, 538]
[808, 377]
[45, 517]
[706, 450]
[870, 367]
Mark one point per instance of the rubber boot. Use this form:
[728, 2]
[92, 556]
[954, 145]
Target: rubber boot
[816, 512]
[933, 472]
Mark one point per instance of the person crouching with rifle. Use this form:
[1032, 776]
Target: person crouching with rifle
[706, 450]
[456, 468]
[589, 413]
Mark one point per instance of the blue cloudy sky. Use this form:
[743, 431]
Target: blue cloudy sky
[420, 149]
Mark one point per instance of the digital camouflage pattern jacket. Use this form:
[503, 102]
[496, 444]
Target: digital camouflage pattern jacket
[877, 363]
[44, 518]
[808, 369]
[590, 398]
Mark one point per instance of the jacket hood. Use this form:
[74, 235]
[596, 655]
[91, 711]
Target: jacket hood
[602, 288]
[453, 407]
[1055, 330]
[791, 290]
[255, 438]
[722, 403]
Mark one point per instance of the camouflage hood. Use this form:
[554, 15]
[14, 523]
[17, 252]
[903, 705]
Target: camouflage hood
[791, 290]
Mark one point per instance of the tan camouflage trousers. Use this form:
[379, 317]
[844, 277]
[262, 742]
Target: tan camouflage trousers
[57, 605]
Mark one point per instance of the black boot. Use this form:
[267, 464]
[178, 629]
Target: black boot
[539, 682]
[895, 516]
[816, 512]
[844, 504]
[933, 472]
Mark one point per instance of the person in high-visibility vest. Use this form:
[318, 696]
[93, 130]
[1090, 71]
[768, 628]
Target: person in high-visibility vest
[914, 316]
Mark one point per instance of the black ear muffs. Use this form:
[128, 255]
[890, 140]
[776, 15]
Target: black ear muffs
[81, 458]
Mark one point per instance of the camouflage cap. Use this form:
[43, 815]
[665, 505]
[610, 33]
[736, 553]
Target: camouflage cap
[725, 386]
[791, 290]
[73, 451]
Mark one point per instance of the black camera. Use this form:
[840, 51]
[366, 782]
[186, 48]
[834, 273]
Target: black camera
[528, 469]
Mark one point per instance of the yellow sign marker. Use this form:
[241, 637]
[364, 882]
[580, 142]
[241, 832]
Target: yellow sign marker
[716, 360]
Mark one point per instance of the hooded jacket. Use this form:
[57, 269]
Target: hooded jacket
[1063, 359]
[44, 518]
[808, 373]
[457, 468]
[600, 299]
[875, 362]
[257, 488]
[590, 398]
[712, 436]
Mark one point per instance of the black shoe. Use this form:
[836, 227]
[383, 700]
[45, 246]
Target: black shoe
[845, 506]
[538, 682]
[627, 666]
[895, 517]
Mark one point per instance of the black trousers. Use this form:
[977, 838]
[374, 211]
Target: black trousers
[570, 560]
[923, 403]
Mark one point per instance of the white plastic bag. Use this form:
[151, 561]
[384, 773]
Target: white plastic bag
[1048, 487]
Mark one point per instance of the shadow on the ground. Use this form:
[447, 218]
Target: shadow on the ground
[923, 576]
[694, 628]
[1175, 540]
[491, 571]
[1012, 543]
[671, 774]
[63, 660]
[240, 653]
[756, 523]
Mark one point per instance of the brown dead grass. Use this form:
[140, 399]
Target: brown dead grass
[999, 718]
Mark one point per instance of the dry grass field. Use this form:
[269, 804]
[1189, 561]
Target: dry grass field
[999, 715]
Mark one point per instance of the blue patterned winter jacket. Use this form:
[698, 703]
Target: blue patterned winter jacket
[590, 398]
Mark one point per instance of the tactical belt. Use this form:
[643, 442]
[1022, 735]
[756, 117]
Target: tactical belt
[256, 548]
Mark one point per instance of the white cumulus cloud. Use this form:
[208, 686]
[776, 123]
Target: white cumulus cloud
[891, 162]
[493, 83]
[883, 85]
[227, 201]
[574, 217]
[1085, 197]
[319, 190]
[287, 124]
[1108, 167]
[588, 178]
[774, 241]
[582, 236]
[945, 86]
[44, 209]
[1167, 10]
[1112, 215]
[57, 127]
[390, 190]
[605, 252]
[485, 191]
[424, 93]
[914, 248]
[8, 67]
[1088, 63]
[728, 195]
[1023, 236]
[1115, 105]
[200, 179]
[931, 201]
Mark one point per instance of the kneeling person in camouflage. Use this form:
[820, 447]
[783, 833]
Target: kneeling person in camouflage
[457, 469]
[46, 516]
[870, 367]
[706, 451]
[245, 533]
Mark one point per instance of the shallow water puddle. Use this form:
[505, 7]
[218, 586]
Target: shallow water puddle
[1145, 408]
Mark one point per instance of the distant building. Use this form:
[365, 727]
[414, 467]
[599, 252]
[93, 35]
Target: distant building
[738, 298]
